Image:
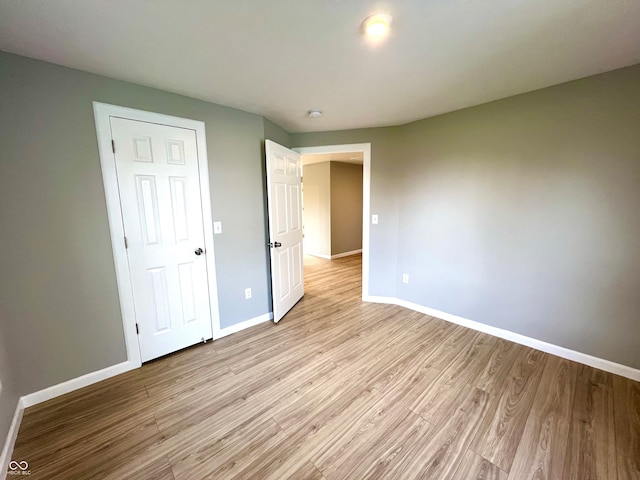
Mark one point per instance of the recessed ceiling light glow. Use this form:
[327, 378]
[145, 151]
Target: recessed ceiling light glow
[377, 26]
[314, 113]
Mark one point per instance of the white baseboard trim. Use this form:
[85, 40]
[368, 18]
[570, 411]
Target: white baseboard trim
[86, 380]
[49, 393]
[94, 377]
[76, 383]
[319, 255]
[584, 358]
[337, 255]
[252, 322]
[10, 441]
[346, 254]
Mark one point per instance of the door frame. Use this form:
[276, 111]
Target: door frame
[102, 113]
[365, 149]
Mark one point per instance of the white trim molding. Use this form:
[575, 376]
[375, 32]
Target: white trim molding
[52, 392]
[89, 379]
[10, 441]
[337, 255]
[365, 148]
[252, 322]
[584, 358]
[100, 375]
[346, 254]
[319, 255]
[103, 113]
[76, 383]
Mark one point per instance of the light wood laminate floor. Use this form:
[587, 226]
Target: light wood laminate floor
[341, 389]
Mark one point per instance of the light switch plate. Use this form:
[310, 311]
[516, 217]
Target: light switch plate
[374, 219]
[217, 227]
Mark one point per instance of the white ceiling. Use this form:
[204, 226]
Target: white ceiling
[353, 157]
[280, 58]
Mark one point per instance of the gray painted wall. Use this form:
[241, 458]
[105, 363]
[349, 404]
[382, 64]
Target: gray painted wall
[385, 155]
[521, 213]
[316, 188]
[524, 214]
[9, 395]
[57, 281]
[332, 208]
[276, 133]
[346, 207]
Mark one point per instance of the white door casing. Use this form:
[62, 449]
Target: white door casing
[285, 227]
[162, 284]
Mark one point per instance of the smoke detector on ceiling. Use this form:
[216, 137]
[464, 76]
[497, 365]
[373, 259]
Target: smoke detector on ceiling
[314, 113]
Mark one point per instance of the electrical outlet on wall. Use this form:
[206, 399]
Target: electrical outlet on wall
[247, 293]
[405, 278]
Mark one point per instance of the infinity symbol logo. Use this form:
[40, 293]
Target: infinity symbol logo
[13, 465]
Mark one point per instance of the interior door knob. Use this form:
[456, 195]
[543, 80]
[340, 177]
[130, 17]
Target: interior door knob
[199, 251]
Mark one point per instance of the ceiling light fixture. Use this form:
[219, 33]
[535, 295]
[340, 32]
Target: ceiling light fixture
[377, 26]
[314, 113]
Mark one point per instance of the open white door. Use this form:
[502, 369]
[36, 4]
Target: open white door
[285, 227]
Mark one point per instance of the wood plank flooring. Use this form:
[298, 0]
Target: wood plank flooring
[343, 390]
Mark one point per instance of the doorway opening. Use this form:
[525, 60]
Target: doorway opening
[336, 208]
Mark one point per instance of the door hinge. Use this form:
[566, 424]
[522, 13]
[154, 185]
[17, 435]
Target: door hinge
[126, 242]
[137, 329]
[113, 146]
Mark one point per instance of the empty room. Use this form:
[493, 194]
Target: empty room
[312, 239]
